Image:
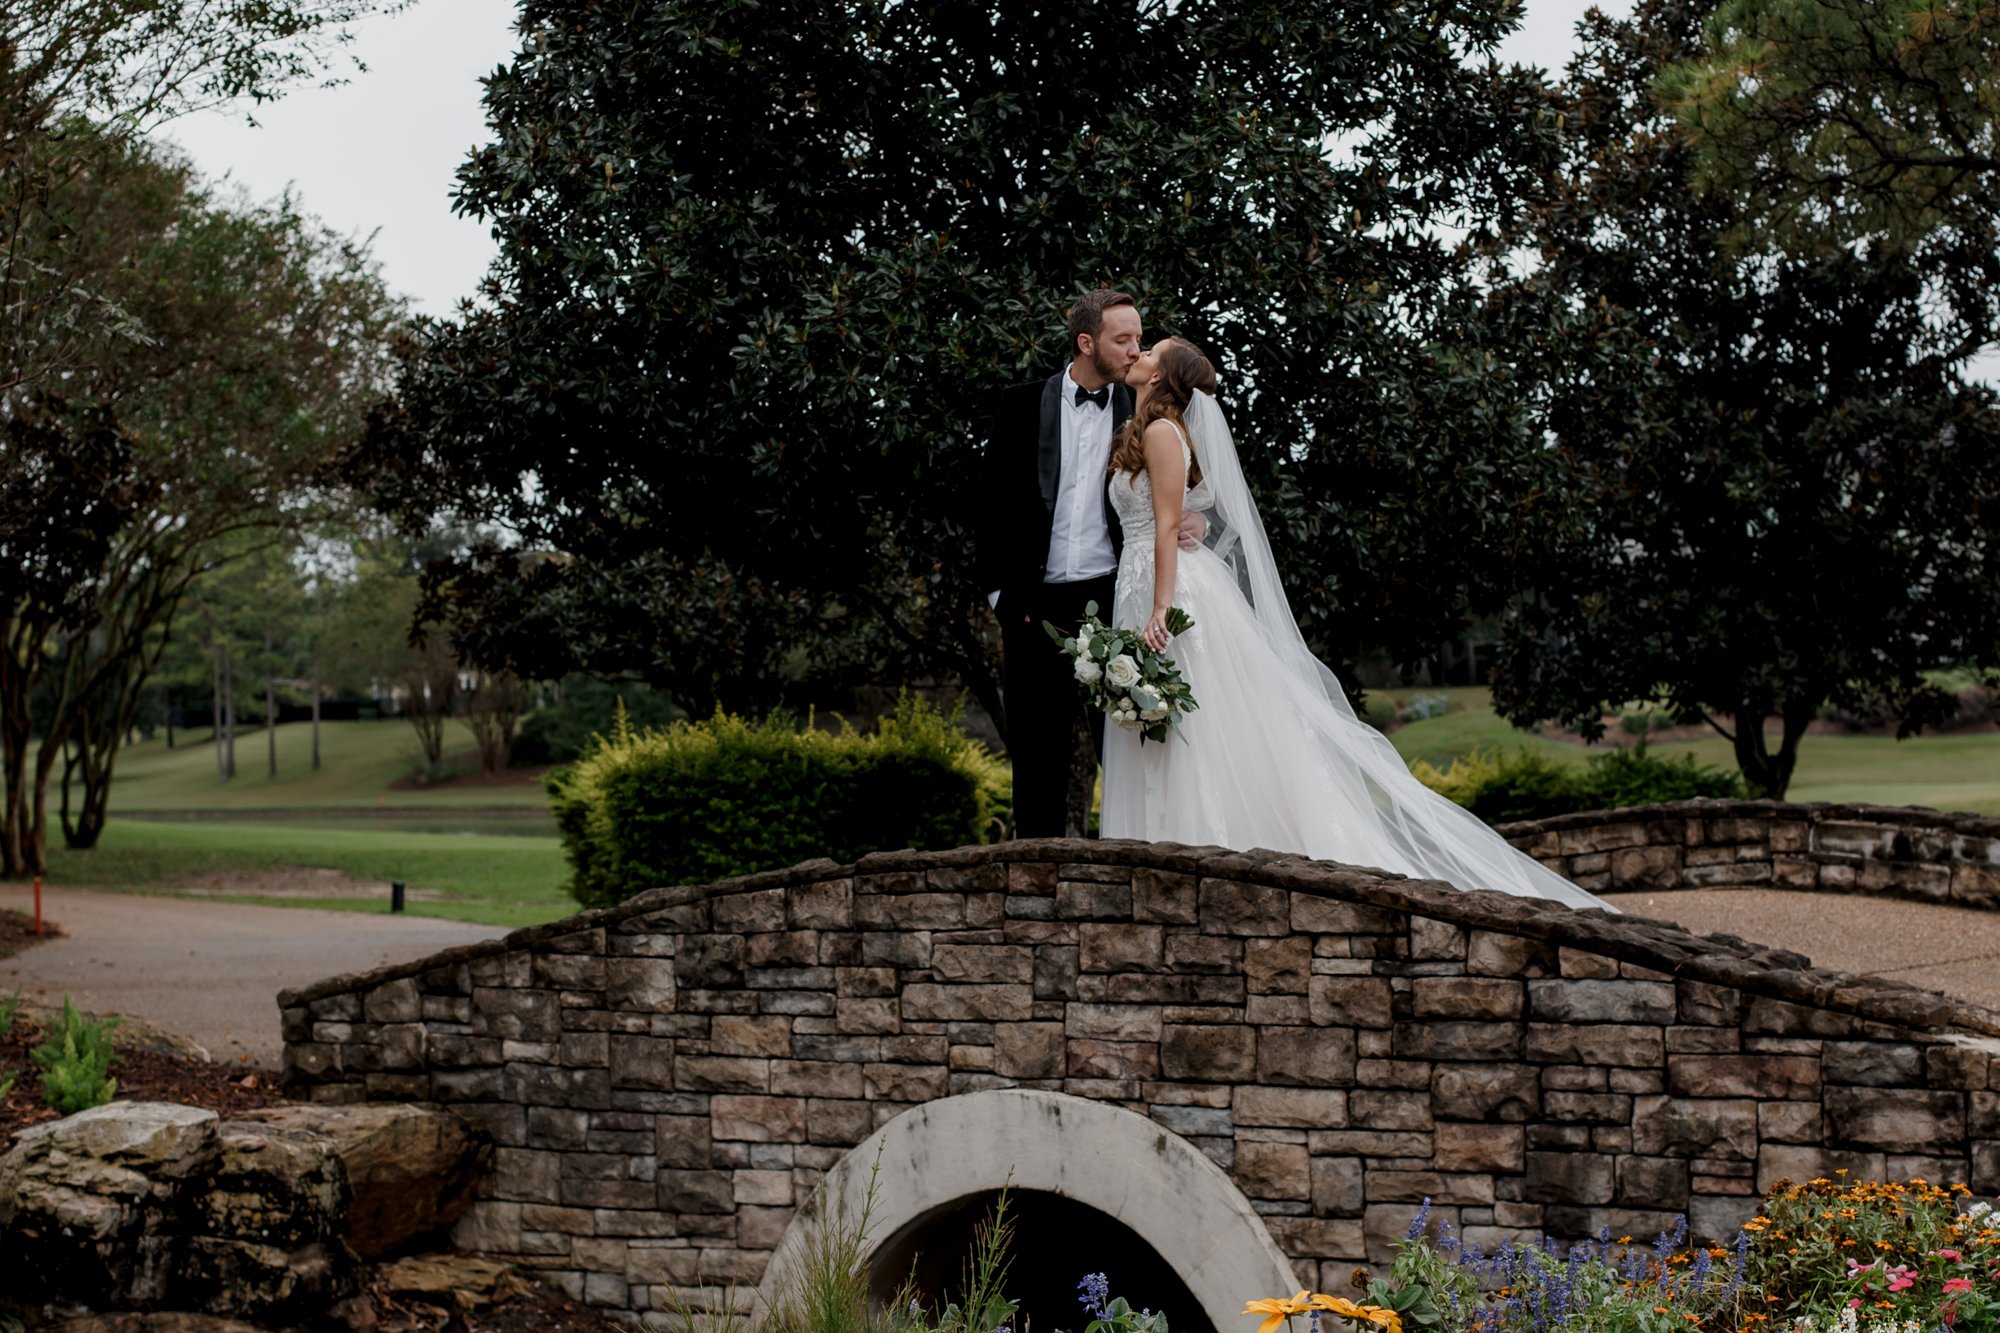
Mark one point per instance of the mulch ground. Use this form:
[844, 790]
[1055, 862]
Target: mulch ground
[17, 932]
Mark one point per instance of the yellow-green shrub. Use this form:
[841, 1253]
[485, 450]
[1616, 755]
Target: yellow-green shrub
[700, 801]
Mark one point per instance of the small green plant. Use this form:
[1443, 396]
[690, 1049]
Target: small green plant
[76, 1062]
[8, 1009]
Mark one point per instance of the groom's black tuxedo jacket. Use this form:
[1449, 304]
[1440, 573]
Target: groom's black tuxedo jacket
[1021, 476]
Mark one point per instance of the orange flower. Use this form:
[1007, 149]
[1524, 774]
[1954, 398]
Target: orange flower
[1276, 1309]
[1388, 1320]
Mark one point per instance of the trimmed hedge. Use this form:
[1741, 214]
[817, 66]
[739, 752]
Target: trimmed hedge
[702, 801]
[1519, 784]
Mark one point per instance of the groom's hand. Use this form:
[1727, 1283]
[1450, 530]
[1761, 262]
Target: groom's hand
[1194, 527]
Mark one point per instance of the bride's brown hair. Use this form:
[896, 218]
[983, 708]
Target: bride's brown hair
[1183, 369]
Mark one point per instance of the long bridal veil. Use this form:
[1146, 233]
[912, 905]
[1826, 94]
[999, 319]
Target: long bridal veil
[1414, 831]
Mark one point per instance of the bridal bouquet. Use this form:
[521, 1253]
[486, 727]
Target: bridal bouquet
[1137, 688]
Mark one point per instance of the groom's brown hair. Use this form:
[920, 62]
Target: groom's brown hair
[1087, 315]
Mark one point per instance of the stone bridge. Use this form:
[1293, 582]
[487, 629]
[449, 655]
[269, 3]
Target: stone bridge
[1886, 851]
[1207, 1072]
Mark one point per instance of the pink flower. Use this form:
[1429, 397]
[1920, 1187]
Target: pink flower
[1949, 1256]
[1957, 1284]
[1900, 1277]
[1855, 1267]
[1854, 1304]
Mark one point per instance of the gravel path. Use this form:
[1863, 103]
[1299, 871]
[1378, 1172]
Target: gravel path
[207, 970]
[1951, 949]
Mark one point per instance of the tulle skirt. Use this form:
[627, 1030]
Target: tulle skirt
[1270, 760]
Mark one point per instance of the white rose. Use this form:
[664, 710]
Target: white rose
[1088, 671]
[1155, 714]
[1129, 721]
[1122, 671]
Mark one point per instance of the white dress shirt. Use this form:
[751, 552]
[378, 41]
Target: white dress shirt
[1080, 539]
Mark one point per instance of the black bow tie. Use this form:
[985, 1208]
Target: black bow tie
[1102, 397]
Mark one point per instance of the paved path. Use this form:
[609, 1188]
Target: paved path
[1950, 949]
[207, 970]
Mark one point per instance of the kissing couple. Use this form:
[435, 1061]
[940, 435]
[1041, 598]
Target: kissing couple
[1116, 481]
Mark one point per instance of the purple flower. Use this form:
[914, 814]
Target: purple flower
[1094, 1292]
[1420, 1221]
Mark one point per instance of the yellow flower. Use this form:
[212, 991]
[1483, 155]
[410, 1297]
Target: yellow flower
[1369, 1314]
[1277, 1309]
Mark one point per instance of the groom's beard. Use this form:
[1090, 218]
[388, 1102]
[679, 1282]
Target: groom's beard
[1107, 372]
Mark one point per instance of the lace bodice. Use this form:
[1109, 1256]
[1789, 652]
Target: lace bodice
[1132, 499]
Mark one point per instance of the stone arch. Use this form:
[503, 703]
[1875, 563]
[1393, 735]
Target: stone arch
[1114, 1160]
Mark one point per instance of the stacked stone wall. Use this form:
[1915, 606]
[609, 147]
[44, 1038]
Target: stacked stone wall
[666, 1081]
[1889, 851]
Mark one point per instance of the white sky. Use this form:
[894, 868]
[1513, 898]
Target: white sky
[376, 155]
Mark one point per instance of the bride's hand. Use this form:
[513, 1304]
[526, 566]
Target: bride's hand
[1155, 633]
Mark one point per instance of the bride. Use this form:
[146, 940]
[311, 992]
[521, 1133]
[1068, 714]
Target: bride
[1274, 757]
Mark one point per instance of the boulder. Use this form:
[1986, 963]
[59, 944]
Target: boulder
[148, 1206]
[93, 1206]
[411, 1168]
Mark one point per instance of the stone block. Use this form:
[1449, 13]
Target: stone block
[1435, 941]
[1205, 954]
[1120, 948]
[1592, 1001]
[1392, 1185]
[1479, 1147]
[1317, 1237]
[1872, 1063]
[905, 1083]
[394, 1002]
[1379, 1109]
[815, 1078]
[1093, 902]
[1212, 1052]
[697, 1191]
[1652, 1182]
[1195, 1121]
[1654, 867]
[1289, 1108]
[1229, 908]
[1305, 1056]
[1314, 915]
[1113, 1022]
[703, 963]
[1569, 1178]
[866, 982]
[827, 905]
[1272, 1170]
[1443, 1039]
[1798, 1164]
[1279, 966]
[1596, 1044]
[1724, 1128]
[735, 1118]
[745, 1034]
[839, 1123]
[1164, 897]
[1337, 1186]
[995, 1003]
[1491, 954]
[1894, 1119]
[1056, 972]
[1496, 1092]
[1351, 1002]
[896, 948]
[1368, 1143]
[1775, 1077]
[1029, 1050]
[1113, 1059]
[872, 1016]
[721, 1073]
[983, 962]
[1482, 998]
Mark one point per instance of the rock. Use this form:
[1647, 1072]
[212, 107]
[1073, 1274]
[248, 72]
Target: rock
[152, 1323]
[411, 1168]
[93, 1205]
[152, 1206]
[455, 1281]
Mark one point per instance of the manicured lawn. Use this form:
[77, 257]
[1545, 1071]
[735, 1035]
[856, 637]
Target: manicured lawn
[507, 880]
[1954, 771]
[360, 763]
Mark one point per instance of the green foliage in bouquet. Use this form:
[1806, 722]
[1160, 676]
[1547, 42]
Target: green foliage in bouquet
[1132, 685]
[76, 1062]
[700, 801]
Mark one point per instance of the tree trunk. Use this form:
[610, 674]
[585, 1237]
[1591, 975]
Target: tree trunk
[1768, 774]
[215, 706]
[315, 687]
[170, 718]
[270, 712]
[1082, 782]
[228, 713]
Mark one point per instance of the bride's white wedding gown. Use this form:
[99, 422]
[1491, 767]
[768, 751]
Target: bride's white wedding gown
[1273, 756]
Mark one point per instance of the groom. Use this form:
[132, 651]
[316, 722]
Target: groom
[1048, 544]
